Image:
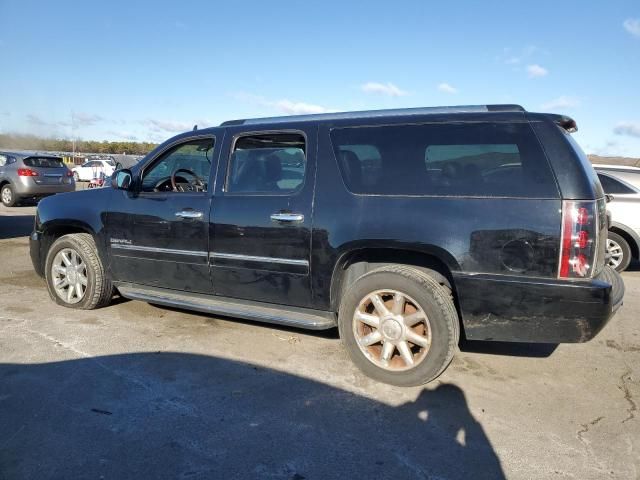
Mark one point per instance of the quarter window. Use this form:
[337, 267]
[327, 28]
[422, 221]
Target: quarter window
[481, 159]
[267, 163]
[613, 186]
[3, 160]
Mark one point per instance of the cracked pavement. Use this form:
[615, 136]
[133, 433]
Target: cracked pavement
[135, 390]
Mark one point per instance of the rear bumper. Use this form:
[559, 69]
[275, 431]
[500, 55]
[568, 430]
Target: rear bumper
[26, 187]
[525, 309]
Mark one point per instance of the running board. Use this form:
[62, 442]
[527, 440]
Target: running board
[232, 307]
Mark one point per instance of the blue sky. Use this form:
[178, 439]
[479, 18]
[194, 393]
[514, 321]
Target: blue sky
[145, 70]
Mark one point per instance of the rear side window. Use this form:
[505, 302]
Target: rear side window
[481, 159]
[611, 185]
[272, 163]
[43, 162]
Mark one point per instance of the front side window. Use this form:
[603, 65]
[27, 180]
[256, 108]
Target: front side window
[267, 163]
[184, 168]
[481, 159]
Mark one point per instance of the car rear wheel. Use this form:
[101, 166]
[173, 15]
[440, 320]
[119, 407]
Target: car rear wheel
[75, 275]
[619, 252]
[8, 196]
[400, 325]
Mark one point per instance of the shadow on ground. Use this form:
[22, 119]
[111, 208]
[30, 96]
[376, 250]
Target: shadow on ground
[15, 226]
[171, 415]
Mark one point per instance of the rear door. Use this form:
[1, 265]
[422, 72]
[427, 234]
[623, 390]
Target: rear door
[261, 217]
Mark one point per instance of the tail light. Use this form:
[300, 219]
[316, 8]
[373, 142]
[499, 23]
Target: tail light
[69, 173]
[580, 239]
[27, 172]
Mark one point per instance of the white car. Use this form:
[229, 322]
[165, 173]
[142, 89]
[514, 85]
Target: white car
[93, 169]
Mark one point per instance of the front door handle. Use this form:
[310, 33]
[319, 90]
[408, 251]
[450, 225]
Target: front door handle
[189, 214]
[287, 217]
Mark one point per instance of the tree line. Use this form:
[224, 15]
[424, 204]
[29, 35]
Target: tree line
[31, 142]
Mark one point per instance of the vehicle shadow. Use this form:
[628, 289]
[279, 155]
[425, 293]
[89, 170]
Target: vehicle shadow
[12, 226]
[174, 415]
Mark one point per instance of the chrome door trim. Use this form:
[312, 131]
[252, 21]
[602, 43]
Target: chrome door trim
[138, 248]
[287, 217]
[252, 258]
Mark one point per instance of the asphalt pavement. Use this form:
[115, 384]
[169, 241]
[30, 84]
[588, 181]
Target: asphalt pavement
[139, 391]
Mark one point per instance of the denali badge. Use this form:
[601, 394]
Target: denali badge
[120, 241]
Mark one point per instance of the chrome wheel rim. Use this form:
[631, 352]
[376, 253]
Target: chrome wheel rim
[615, 253]
[392, 330]
[69, 275]
[6, 195]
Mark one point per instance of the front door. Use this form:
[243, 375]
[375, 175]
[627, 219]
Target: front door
[261, 217]
[157, 233]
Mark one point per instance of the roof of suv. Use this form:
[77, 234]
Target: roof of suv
[398, 112]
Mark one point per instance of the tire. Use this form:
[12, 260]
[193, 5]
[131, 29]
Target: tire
[8, 196]
[98, 290]
[619, 252]
[422, 295]
[76, 177]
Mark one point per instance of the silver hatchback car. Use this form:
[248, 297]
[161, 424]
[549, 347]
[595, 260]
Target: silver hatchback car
[30, 175]
[622, 185]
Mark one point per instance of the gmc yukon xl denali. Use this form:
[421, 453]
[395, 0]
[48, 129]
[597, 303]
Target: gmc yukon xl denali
[403, 228]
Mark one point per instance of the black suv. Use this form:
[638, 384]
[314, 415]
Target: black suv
[405, 228]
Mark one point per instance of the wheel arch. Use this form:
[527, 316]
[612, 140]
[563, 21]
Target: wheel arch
[358, 261]
[631, 237]
[53, 230]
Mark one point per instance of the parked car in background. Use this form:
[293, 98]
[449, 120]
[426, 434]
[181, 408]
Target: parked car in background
[622, 184]
[93, 169]
[32, 176]
[405, 228]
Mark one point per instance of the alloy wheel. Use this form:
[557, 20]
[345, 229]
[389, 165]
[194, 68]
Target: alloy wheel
[616, 255]
[69, 275]
[392, 330]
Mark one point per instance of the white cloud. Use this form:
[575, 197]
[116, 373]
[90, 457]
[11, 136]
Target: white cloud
[82, 119]
[535, 71]
[296, 108]
[284, 105]
[446, 88]
[383, 88]
[122, 135]
[36, 120]
[561, 102]
[167, 125]
[629, 129]
[632, 25]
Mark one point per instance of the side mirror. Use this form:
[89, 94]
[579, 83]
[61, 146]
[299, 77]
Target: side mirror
[122, 179]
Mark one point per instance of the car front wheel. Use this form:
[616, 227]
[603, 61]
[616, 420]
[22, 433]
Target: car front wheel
[75, 275]
[618, 251]
[400, 325]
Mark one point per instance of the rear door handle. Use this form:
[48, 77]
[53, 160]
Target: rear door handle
[189, 214]
[287, 217]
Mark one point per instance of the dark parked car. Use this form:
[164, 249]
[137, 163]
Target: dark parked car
[405, 228]
[32, 176]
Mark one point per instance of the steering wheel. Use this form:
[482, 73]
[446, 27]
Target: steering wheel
[197, 183]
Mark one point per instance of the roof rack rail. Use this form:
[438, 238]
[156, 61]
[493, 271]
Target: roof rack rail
[396, 112]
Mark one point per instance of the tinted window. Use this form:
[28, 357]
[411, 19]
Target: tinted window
[193, 156]
[267, 163]
[613, 186]
[481, 159]
[43, 162]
